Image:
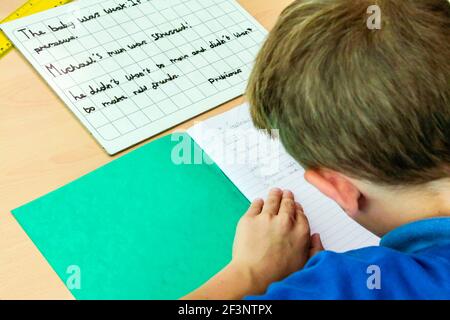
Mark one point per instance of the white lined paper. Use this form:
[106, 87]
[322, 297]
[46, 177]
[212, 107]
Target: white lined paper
[255, 178]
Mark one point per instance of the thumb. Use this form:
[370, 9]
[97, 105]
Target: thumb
[316, 245]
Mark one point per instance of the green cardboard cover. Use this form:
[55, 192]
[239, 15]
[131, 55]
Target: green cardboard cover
[140, 227]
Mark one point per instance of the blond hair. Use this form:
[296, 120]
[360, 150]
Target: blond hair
[373, 104]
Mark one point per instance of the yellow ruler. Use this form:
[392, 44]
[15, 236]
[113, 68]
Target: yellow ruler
[29, 8]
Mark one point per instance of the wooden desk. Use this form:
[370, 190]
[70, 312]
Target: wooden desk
[43, 147]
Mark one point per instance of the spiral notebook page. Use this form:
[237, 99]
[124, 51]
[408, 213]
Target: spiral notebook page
[255, 164]
[130, 69]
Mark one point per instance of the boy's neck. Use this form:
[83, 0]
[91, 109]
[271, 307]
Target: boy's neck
[391, 208]
[436, 198]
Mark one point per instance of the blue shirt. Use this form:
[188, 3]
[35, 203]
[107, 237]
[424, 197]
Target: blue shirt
[412, 262]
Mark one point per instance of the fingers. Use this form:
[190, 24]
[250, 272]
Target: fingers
[287, 206]
[281, 203]
[288, 195]
[300, 214]
[272, 205]
[302, 223]
[255, 208]
[316, 245]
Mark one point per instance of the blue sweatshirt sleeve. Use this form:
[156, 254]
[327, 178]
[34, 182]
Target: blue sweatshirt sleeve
[325, 277]
[365, 274]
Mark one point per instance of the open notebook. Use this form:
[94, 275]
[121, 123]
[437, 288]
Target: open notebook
[255, 163]
[146, 227]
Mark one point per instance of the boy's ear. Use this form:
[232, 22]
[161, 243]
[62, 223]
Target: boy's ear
[337, 187]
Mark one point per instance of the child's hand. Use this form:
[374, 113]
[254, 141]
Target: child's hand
[273, 240]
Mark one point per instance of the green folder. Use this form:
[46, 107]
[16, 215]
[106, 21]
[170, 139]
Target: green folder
[140, 227]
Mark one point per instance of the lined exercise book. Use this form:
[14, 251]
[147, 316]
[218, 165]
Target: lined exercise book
[256, 163]
[129, 69]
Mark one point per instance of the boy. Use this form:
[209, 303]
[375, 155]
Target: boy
[367, 113]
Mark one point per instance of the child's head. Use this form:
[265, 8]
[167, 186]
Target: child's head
[366, 111]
